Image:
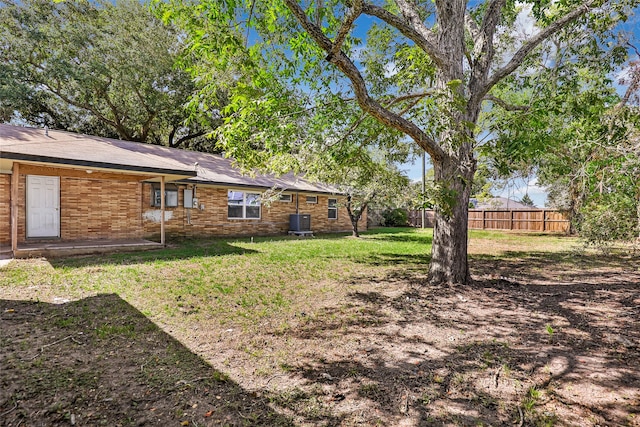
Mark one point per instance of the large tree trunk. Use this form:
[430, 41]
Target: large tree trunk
[454, 173]
[449, 264]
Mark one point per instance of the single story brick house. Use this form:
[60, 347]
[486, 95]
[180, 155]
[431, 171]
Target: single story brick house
[80, 191]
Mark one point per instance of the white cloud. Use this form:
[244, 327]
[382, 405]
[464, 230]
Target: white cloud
[509, 39]
[390, 69]
[525, 24]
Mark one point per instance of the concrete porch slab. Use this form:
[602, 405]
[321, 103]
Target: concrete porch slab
[5, 258]
[57, 249]
[301, 233]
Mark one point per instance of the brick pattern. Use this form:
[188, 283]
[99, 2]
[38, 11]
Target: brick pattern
[105, 209]
[92, 209]
[213, 220]
[320, 222]
[5, 210]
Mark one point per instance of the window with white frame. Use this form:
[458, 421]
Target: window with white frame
[242, 205]
[312, 199]
[285, 198]
[333, 208]
[170, 196]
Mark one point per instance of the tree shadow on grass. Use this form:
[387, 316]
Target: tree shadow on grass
[566, 266]
[179, 251]
[420, 261]
[498, 352]
[189, 248]
[400, 236]
[99, 361]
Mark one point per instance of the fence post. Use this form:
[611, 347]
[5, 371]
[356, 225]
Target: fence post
[484, 216]
[511, 221]
[544, 220]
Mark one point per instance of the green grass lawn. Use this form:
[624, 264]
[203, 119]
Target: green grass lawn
[299, 327]
[244, 280]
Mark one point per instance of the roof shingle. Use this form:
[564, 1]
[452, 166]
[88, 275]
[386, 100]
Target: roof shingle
[60, 147]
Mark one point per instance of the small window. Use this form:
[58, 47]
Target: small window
[333, 208]
[170, 197]
[243, 205]
[312, 199]
[285, 198]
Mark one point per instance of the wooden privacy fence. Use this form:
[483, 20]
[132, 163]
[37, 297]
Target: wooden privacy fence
[541, 220]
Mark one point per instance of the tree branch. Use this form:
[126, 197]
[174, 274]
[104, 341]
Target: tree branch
[634, 85]
[151, 115]
[483, 51]
[146, 127]
[532, 43]
[246, 39]
[483, 48]
[409, 96]
[633, 81]
[172, 135]
[366, 102]
[424, 39]
[408, 108]
[472, 27]
[415, 97]
[505, 105]
[116, 116]
[187, 138]
[58, 92]
[352, 15]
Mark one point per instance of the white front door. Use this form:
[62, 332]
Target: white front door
[43, 206]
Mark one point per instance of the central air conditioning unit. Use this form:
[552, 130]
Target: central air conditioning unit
[300, 222]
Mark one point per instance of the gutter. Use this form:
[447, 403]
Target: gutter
[90, 164]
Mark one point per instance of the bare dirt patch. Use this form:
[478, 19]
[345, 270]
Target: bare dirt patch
[541, 338]
[98, 361]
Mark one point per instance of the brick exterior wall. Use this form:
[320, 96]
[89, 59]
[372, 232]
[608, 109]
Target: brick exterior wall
[106, 209]
[320, 222]
[213, 219]
[5, 211]
[92, 209]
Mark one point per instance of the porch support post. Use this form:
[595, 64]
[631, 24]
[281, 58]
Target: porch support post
[15, 182]
[162, 210]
